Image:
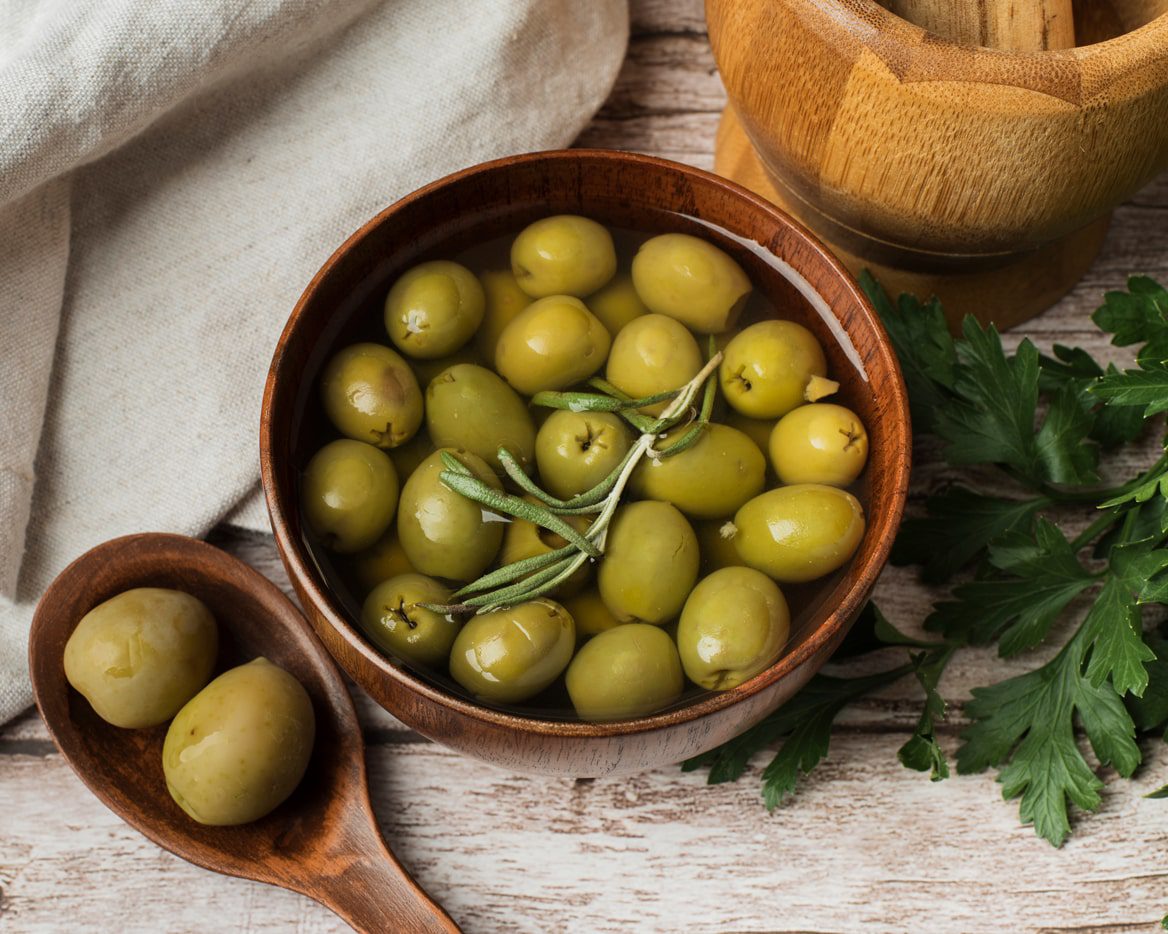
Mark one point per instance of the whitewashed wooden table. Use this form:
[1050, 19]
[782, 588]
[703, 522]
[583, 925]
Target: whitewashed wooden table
[865, 845]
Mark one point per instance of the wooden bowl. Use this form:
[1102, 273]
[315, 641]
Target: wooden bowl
[985, 176]
[625, 190]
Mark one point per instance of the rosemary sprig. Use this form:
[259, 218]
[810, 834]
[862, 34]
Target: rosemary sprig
[525, 580]
[485, 495]
[589, 501]
[512, 572]
[610, 399]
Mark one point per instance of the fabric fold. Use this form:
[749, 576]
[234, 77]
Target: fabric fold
[202, 202]
[34, 251]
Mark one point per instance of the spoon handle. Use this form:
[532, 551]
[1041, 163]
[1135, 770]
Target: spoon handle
[364, 883]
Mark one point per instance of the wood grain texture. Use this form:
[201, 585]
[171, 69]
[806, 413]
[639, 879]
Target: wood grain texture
[990, 170]
[1017, 25]
[865, 846]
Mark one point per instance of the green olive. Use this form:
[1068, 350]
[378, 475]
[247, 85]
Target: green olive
[576, 450]
[349, 494]
[510, 655]
[426, 370]
[469, 407]
[241, 745]
[757, 429]
[771, 367]
[563, 255]
[819, 443]
[443, 533]
[650, 562]
[382, 560]
[798, 533]
[617, 303]
[653, 354]
[629, 671]
[691, 280]
[552, 344]
[709, 480]
[734, 625]
[139, 656]
[395, 623]
[590, 614]
[406, 457]
[370, 394]
[504, 301]
[433, 309]
[523, 540]
[717, 548]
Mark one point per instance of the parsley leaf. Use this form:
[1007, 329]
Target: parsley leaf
[804, 747]
[1042, 575]
[1150, 710]
[1043, 421]
[1064, 456]
[1116, 424]
[988, 413]
[928, 358]
[1151, 483]
[922, 752]
[804, 723]
[1074, 370]
[1070, 366]
[1137, 316]
[993, 420]
[1147, 387]
[1113, 627]
[1029, 721]
[959, 526]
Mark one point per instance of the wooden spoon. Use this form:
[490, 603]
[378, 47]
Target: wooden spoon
[323, 841]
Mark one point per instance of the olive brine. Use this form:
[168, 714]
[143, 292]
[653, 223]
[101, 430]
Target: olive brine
[571, 473]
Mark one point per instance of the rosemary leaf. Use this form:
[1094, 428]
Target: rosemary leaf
[609, 389]
[452, 463]
[535, 589]
[576, 401]
[473, 488]
[514, 571]
[528, 588]
[582, 504]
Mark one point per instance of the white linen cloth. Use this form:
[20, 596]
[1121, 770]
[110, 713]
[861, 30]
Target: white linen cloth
[171, 176]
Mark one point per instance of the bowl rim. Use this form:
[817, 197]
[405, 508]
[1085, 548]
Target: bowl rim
[826, 630]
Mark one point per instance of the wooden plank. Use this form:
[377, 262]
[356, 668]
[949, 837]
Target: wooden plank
[865, 845]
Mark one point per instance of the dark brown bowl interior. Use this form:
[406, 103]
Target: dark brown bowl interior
[802, 280]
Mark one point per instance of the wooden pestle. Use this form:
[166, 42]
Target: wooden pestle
[1017, 25]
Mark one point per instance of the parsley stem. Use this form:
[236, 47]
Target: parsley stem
[1093, 495]
[1092, 531]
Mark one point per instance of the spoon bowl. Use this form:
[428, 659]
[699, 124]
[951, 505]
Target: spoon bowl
[323, 841]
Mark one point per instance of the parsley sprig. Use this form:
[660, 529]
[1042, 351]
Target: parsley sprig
[1047, 425]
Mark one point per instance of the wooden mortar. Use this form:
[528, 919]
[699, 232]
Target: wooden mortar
[984, 176]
